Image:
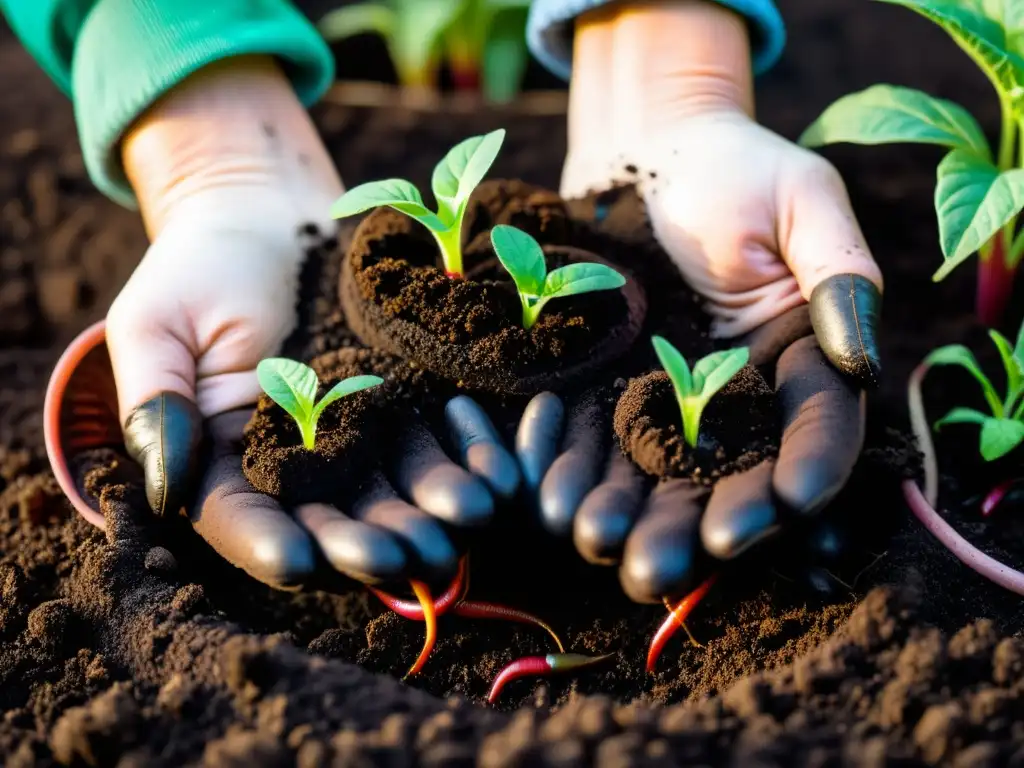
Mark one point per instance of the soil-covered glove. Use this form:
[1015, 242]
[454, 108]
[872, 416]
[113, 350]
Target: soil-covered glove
[667, 537]
[231, 179]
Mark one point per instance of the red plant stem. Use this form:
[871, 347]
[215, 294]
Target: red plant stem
[996, 495]
[477, 610]
[963, 550]
[465, 77]
[995, 283]
[453, 275]
[423, 595]
[675, 620]
[540, 666]
[413, 611]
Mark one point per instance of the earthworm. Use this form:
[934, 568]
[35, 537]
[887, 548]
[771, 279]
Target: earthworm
[414, 611]
[477, 610]
[422, 592]
[541, 666]
[675, 619]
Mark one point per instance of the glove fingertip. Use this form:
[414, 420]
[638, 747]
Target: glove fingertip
[845, 312]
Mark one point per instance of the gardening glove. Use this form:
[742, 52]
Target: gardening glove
[231, 179]
[667, 538]
[409, 519]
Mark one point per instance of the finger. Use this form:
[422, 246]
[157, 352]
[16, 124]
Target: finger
[538, 437]
[479, 446]
[578, 468]
[740, 513]
[661, 554]
[823, 428]
[771, 339]
[825, 248]
[246, 528]
[360, 551]
[608, 512]
[424, 535]
[434, 483]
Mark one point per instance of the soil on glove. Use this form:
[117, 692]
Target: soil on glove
[141, 648]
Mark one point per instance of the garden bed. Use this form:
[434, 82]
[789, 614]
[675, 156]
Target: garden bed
[145, 647]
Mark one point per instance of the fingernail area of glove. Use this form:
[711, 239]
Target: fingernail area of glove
[845, 312]
[163, 435]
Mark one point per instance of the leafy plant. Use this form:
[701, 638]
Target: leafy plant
[523, 258]
[453, 181]
[1002, 430]
[978, 195]
[293, 386]
[483, 41]
[694, 389]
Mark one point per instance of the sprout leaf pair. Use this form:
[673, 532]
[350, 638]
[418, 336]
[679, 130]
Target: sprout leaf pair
[293, 386]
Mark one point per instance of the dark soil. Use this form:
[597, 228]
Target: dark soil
[141, 648]
[739, 428]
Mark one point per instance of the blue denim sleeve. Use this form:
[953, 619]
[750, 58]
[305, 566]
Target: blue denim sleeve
[549, 31]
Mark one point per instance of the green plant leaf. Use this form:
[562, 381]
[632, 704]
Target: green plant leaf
[1013, 366]
[675, 366]
[505, 54]
[416, 43]
[574, 279]
[290, 384]
[958, 354]
[713, 372]
[886, 114]
[396, 193]
[462, 169]
[344, 388]
[522, 257]
[1018, 347]
[359, 19]
[983, 39]
[962, 416]
[999, 437]
[973, 201]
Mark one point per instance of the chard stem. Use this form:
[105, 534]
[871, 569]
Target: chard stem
[1007, 135]
[995, 281]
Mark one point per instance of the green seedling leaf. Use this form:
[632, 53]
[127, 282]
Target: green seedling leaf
[887, 114]
[962, 416]
[293, 386]
[675, 366]
[574, 279]
[395, 193]
[364, 18]
[522, 257]
[505, 54]
[999, 437]
[714, 371]
[416, 44]
[973, 201]
[461, 170]
[1014, 368]
[958, 354]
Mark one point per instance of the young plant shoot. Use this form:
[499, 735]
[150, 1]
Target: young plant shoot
[523, 258]
[978, 196]
[293, 386]
[694, 389]
[1002, 429]
[453, 181]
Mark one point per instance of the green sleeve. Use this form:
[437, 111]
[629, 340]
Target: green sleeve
[116, 57]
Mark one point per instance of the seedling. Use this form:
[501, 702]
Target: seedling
[453, 181]
[483, 41]
[977, 196]
[293, 386]
[1002, 429]
[694, 389]
[523, 258]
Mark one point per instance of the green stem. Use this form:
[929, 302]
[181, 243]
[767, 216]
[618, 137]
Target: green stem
[531, 313]
[450, 243]
[308, 432]
[1007, 136]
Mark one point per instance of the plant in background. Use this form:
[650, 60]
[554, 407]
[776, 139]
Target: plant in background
[694, 389]
[978, 196]
[483, 41]
[1002, 429]
[453, 181]
[293, 386]
[523, 258]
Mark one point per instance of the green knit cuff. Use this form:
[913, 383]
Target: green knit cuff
[131, 52]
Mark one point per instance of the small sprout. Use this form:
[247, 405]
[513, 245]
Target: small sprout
[695, 389]
[453, 181]
[523, 258]
[293, 386]
[1003, 429]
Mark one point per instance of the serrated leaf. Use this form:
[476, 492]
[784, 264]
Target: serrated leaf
[973, 201]
[574, 279]
[290, 384]
[462, 169]
[395, 193]
[675, 366]
[713, 372]
[358, 19]
[999, 437]
[344, 388]
[983, 39]
[522, 257]
[958, 354]
[884, 114]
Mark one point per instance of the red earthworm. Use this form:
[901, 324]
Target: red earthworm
[414, 611]
[422, 592]
[477, 610]
[675, 620]
[996, 495]
[540, 666]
